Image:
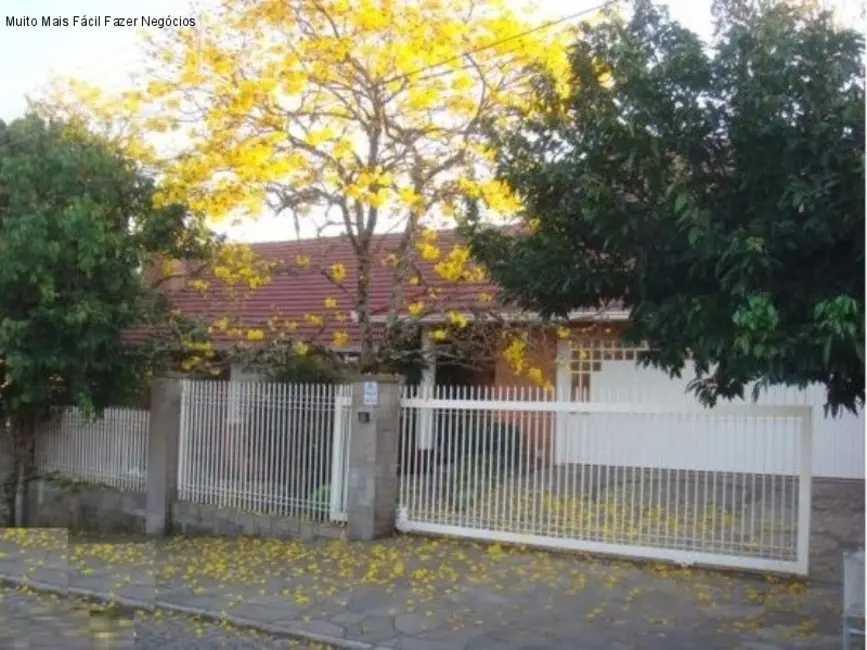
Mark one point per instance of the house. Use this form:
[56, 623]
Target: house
[590, 363]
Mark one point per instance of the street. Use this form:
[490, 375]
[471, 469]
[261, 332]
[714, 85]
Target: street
[46, 622]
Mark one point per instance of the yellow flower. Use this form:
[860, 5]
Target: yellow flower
[439, 334]
[255, 335]
[428, 235]
[314, 319]
[338, 272]
[342, 148]
[428, 251]
[414, 280]
[408, 195]
[452, 268]
[485, 297]
[534, 224]
[457, 319]
[514, 354]
[222, 324]
[415, 308]
[340, 339]
[330, 302]
[605, 80]
[562, 333]
[302, 261]
[535, 375]
[300, 348]
[199, 285]
[290, 325]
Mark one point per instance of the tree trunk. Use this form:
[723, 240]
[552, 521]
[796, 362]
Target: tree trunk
[362, 306]
[22, 438]
[20, 510]
[7, 489]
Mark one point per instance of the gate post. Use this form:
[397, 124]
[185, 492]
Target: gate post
[805, 490]
[162, 458]
[374, 429]
[337, 501]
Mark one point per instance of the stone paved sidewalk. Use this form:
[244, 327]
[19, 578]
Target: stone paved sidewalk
[38, 621]
[412, 593]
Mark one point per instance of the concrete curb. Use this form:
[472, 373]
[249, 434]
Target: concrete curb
[239, 621]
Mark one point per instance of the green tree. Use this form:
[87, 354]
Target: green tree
[77, 227]
[716, 191]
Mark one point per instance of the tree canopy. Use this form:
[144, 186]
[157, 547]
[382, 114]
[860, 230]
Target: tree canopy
[715, 191]
[77, 227]
[350, 118]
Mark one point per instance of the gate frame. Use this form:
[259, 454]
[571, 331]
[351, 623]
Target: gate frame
[799, 566]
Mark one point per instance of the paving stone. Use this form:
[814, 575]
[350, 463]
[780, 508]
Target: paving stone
[377, 629]
[415, 643]
[324, 628]
[734, 611]
[372, 602]
[264, 613]
[347, 618]
[489, 641]
[412, 624]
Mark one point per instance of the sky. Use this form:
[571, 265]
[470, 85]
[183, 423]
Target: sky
[106, 55]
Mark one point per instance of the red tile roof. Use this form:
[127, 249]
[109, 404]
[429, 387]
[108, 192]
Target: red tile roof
[292, 295]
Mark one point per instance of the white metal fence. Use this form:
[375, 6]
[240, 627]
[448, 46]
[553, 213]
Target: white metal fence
[724, 487]
[110, 450]
[265, 447]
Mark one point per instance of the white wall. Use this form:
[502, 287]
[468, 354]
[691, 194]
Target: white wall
[702, 442]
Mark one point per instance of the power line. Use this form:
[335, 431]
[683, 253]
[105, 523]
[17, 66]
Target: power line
[482, 48]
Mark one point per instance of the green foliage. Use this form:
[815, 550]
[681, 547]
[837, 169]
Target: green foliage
[282, 365]
[76, 226]
[717, 192]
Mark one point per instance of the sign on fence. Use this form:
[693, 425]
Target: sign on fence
[371, 393]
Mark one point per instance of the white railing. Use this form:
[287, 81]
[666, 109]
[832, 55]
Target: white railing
[111, 449]
[725, 487]
[265, 447]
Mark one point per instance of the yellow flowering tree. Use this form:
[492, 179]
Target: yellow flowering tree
[348, 117]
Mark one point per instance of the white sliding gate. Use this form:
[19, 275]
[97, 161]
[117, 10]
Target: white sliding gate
[726, 487]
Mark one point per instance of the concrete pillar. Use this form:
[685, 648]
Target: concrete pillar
[373, 443]
[163, 448]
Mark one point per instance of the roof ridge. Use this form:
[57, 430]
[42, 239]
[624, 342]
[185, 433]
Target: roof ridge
[335, 238]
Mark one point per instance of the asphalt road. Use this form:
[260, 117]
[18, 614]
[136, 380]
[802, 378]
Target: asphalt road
[31, 621]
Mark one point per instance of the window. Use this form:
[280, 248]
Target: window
[587, 356]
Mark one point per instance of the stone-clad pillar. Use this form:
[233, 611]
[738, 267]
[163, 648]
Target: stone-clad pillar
[373, 445]
[163, 448]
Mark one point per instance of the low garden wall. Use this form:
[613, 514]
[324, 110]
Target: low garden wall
[198, 519]
[83, 506]
[91, 507]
